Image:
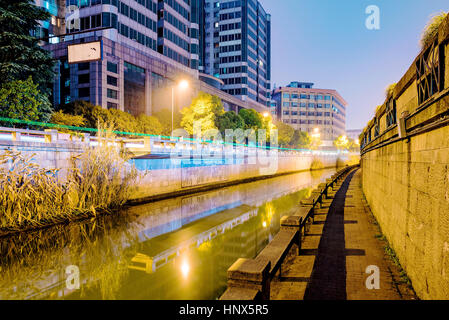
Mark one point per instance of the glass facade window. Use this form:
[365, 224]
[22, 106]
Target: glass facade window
[134, 82]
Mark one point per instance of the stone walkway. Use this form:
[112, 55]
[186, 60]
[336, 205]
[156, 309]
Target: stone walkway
[342, 242]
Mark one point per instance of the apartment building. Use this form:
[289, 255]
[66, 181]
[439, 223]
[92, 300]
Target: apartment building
[311, 110]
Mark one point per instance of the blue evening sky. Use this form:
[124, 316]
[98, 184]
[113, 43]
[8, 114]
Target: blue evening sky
[326, 42]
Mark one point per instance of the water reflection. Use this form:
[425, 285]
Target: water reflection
[172, 249]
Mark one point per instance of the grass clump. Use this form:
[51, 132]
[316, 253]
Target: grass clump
[431, 29]
[98, 181]
[389, 91]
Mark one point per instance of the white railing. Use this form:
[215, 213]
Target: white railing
[143, 145]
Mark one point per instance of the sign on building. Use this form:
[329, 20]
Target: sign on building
[84, 52]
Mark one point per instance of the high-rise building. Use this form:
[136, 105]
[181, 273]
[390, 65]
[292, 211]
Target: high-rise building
[55, 25]
[236, 47]
[311, 110]
[146, 46]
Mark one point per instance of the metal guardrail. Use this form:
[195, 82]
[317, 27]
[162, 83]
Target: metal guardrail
[249, 279]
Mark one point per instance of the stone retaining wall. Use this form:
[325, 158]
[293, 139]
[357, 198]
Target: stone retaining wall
[405, 167]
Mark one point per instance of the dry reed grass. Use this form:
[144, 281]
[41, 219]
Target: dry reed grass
[99, 180]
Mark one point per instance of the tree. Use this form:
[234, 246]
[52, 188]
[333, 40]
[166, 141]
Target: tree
[342, 143]
[93, 115]
[300, 140]
[253, 119]
[21, 99]
[285, 134]
[164, 117]
[21, 56]
[121, 121]
[229, 120]
[149, 125]
[204, 111]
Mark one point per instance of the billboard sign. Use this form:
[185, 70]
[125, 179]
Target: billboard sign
[84, 52]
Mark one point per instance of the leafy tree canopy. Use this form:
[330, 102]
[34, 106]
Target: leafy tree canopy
[95, 116]
[300, 140]
[285, 134]
[21, 99]
[149, 125]
[229, 120]
[20, 54]
[204, 111]
[253, 119]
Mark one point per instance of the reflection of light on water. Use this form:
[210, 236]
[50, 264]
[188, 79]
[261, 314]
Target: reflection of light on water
[269, 213]
[185, 268]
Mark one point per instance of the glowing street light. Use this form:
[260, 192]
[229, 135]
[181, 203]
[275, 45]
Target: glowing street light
[316, 133]
[265, 114]
[182, 85]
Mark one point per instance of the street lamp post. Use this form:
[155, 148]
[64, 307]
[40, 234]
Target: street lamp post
[183, 84]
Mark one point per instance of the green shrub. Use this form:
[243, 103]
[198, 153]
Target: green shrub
[67, 120]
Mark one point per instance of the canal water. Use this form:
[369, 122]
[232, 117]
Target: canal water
[175, 249]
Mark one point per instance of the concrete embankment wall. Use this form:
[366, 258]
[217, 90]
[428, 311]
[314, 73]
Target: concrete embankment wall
[405, 167]
[174, 181]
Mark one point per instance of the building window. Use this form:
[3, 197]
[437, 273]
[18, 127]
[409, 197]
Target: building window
[112, 105]
[112, 81]
[112, 67]
[84, 92]
[83, 66]
[112, 94]
[430, 72]
[83, 78]
[391, 112]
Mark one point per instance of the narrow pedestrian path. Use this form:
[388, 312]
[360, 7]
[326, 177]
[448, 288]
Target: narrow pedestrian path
[340, 245]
